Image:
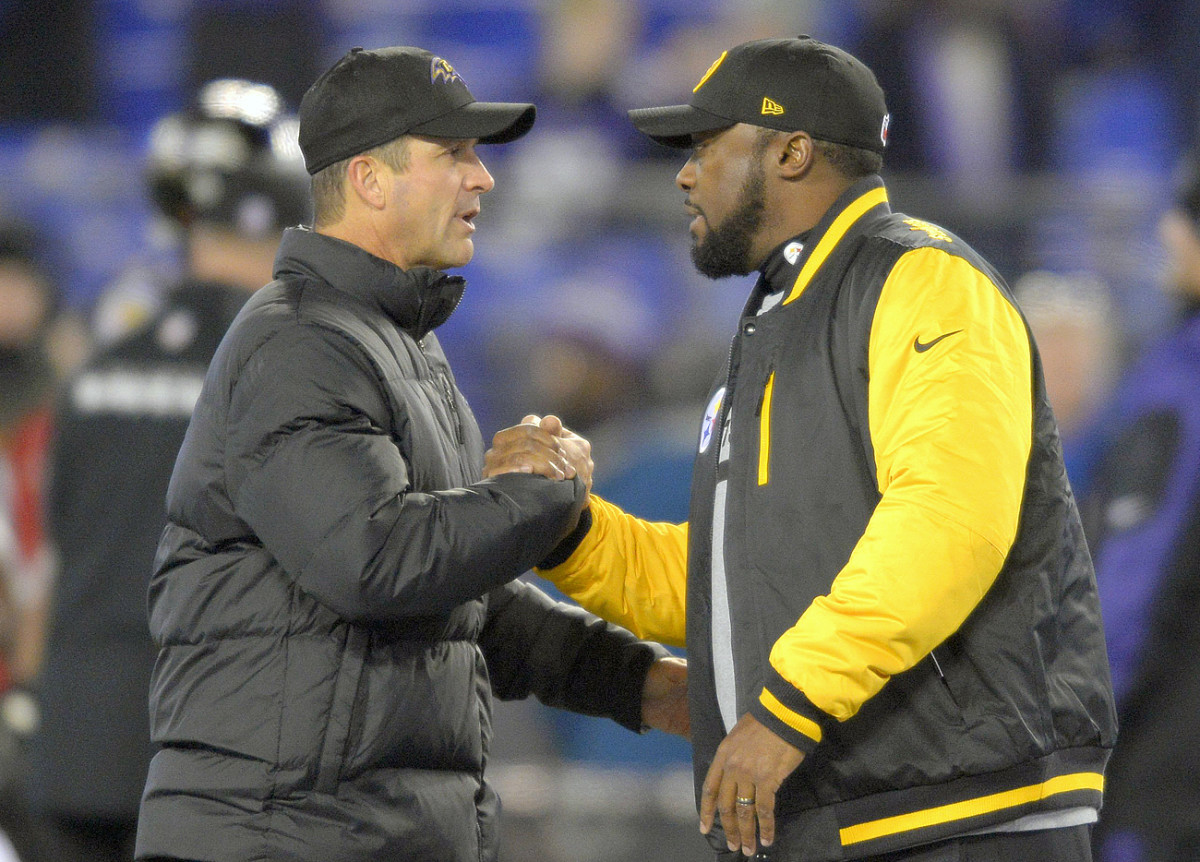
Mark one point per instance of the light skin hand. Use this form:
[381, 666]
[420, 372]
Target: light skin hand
[527, 448]
[664, 697]
[576, 449]
[751, 762]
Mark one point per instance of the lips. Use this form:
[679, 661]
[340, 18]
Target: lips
[468, 217]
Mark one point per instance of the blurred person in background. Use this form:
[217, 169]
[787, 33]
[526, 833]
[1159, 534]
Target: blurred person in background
[1143, 522]
[975, 80]
[29, 379]
[1072, 319]
[336, 593]
[228, 175]
[891, 616]
[28, 384]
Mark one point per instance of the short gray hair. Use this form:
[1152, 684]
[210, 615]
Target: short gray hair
[329, 183]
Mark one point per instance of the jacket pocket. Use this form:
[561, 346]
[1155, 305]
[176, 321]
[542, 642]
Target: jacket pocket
[937, 667]
[764, 429]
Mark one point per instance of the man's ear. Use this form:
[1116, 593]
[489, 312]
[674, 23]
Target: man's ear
[797, 156]
[364, 178]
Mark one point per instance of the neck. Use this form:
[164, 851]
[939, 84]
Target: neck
[359, 229]
[798, 205]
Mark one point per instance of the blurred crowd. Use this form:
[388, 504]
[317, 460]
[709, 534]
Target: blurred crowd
[1055, 135]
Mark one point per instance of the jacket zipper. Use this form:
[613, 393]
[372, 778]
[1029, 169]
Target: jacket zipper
[455, 416]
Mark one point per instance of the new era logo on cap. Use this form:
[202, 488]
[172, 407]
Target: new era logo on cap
[827, 92]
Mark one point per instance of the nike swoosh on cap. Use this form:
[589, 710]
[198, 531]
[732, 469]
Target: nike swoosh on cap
[921, 347]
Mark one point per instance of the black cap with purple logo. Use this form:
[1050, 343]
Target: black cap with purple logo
[791, 85]
[368, 98]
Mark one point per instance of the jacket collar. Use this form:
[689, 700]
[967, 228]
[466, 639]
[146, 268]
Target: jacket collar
[794, 264]
[418, 300]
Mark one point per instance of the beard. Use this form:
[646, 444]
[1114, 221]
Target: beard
[726, 249]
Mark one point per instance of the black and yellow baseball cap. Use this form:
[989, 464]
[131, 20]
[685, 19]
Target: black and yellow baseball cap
[790, 85]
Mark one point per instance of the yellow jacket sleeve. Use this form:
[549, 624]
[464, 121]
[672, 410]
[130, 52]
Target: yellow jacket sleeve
[629, 571]
[951, 418]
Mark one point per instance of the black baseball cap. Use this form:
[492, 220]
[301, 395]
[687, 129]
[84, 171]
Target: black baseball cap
[791, 85]
[368, 98]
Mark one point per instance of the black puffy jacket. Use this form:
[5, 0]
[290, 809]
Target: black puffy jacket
[335, 585]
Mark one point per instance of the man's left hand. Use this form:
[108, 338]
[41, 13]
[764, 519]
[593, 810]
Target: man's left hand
[664, 697]
[750, 764]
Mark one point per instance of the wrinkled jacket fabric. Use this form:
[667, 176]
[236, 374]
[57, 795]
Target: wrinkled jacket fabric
[335, 584]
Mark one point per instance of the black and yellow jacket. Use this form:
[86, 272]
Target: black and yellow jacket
[911, 598]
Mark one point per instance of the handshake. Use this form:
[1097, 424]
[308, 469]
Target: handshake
[541, 445]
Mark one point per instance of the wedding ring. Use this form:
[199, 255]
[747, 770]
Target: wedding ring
[745, 800]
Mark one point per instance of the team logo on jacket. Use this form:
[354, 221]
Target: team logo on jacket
[791, 252]
[933, 230]
[708, 428]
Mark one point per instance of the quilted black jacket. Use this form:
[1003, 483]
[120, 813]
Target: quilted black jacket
[335, 593]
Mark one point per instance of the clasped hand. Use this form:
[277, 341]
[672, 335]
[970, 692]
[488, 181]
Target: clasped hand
[540, 445]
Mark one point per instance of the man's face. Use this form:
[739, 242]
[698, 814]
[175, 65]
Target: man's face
[725, 182]
[435, 201]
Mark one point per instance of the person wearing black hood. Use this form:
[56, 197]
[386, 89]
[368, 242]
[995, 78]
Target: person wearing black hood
[1142, 516]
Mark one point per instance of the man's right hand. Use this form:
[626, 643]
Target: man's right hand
[576, 449]
[529, 448]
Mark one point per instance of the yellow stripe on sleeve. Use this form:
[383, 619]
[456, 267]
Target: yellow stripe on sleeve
[794, 720]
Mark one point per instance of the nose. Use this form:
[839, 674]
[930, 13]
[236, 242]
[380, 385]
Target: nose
[686, 178]
[478, 178]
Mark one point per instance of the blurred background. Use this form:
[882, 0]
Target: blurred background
[1047, 133]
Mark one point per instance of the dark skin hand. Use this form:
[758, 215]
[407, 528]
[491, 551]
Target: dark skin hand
[540, 445]
[528, 448]
[751, 763]
[664, 697]
[543, 445]
[576, 449]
